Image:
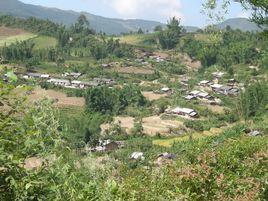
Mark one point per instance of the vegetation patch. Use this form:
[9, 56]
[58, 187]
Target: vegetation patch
[44, 42]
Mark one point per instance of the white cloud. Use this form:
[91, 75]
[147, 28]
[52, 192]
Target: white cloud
[160, 10]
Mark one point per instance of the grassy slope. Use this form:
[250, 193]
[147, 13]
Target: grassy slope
[137, 39]
[11, 35]
[43, 42]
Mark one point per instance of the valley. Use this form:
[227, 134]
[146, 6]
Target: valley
[164, 115]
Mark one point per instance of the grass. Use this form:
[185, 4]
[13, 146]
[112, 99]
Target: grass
[12, 39]
[43, 42]
[137, 39]
[209, 38]
[195, 136]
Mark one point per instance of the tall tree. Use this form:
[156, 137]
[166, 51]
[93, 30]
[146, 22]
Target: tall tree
[170, 37]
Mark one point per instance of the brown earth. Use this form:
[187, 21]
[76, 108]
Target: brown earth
[154, 124]
[126, 123]
[61, 99]
[188, 62]
[151, 125]
[151, 96]
[7, 32]
[162, 55]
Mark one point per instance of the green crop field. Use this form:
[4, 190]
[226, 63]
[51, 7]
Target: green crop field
[43, 42]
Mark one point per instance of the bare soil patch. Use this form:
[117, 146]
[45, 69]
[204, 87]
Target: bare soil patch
[188, 62]
[151, 96]
[151, 125]
[126, 123]
[7, 32]
[154, 124]
[61, 99]
[162, 55]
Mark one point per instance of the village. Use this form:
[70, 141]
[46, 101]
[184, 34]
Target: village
[133, 100]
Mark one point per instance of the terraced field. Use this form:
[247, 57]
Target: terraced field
[195, 136]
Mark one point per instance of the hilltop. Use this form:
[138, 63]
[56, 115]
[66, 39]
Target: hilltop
[239, 23]
[107, 25]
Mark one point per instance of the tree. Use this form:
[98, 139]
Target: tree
[254, 100]
[170, 37]
[158, 28]
[140, 31]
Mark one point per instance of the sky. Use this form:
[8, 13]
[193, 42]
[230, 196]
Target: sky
[189, 11]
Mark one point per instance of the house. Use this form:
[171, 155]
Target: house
[59, 82]
[190, 97]
[165, 90]
[225, 90]
[216, 87]
[218, 74]
[37, 75]
[199, 94]
[204, 83]
[45, 76]
[204, 95]
[184, 81]
[164, 159]
[232, 82]
[184, 112]
[159, 59]
[254, 133]
[108, 145]
[194, 93]
[81, 84]
[106, 65]
[147, 54]
[34, 75]
[104, 81]
[137, 156]
[72, 74]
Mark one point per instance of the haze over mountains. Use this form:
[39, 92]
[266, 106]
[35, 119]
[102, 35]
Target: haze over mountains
[107, 25]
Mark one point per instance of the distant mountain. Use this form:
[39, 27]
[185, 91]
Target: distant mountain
[240, 23]
[107, 25]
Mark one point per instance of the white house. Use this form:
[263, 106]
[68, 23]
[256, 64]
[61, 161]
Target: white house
[184, 112]
[59, 82]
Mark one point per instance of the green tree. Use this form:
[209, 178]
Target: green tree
[158, 28]
[170, 37]
[140, 31]
[254, 100]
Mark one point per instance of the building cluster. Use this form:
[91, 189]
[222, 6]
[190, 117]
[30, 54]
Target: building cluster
[183, 112]
[202, 96]
[70, 81]
[229, 89]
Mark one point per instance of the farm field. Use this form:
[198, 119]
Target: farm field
[195, 136]
[11, 35]
[152, 125]
[151, 96]
[60, 98]
[133, 70]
